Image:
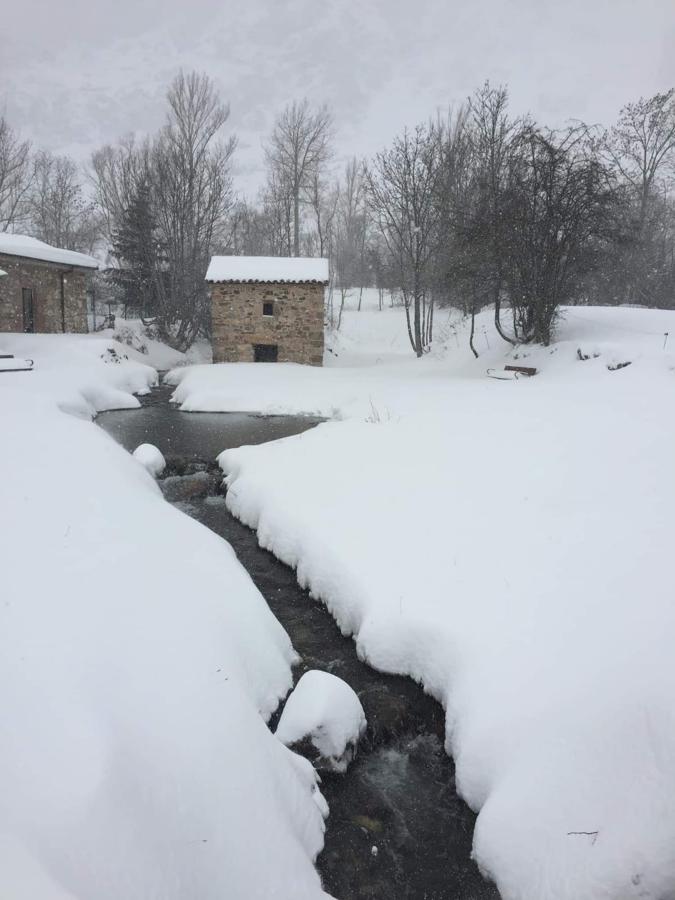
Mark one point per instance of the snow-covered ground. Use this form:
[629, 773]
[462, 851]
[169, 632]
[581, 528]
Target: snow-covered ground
[367, 372]
[83, 374]
[138, 663]
[141, 345]
[508, 544]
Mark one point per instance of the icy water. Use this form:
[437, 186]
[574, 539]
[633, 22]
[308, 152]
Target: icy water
[397, 829]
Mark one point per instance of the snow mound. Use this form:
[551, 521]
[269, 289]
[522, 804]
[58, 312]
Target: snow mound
[325, 710]
[136, 676]
[81, 373]
[151, 457]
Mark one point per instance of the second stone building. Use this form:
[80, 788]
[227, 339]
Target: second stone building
[267, 309]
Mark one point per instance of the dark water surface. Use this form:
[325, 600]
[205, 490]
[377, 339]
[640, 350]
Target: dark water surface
[195, 436]
[397, 828]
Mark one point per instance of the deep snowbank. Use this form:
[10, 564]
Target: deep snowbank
[395, 384]
[513, 554]
[138, 663]
[84, 374]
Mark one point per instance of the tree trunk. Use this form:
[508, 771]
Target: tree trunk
[473, 328]
[296, 222]
[498, 324]
[417, 325]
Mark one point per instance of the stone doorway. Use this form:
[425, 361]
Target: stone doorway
[265, 353]
[28, 310]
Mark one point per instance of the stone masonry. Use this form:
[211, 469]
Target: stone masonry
[295, 326]
[44, 278]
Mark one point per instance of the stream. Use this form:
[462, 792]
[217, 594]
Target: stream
[397, 828]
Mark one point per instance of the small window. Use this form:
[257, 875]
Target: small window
[268, 309]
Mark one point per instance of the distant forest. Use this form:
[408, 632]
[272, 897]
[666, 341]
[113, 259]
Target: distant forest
[479, 208]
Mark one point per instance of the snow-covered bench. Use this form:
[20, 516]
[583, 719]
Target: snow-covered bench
[10, 363]
[512, 373]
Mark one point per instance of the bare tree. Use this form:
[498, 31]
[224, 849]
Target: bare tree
[402, 191]
[641, 149]
[15, 176]
[277, 210]
[323, 202]
[59, 212]
[350, 232]
[495, 139]
[642, 144]
[558, 196]
[193, 196]
[173, 196]
[115, 174]
[297, 151]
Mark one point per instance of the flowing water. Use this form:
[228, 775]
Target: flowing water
[397, 828]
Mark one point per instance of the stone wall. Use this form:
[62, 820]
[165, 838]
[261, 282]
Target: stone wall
[45, 280]
[295, 327]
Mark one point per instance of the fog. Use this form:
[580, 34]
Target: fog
[76, 73]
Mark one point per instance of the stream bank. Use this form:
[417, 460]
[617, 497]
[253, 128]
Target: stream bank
[397, 828]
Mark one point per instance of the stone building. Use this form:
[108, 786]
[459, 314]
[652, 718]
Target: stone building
[44, 289]
[267, 309]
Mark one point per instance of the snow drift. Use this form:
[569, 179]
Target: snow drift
[138, 664]
[508, 545]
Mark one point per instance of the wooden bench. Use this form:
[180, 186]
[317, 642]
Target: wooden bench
[512, 373]
[521, 370]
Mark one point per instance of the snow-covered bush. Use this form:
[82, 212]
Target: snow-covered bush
[131, 337]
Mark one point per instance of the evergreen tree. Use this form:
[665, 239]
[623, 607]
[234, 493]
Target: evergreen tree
[138, 250]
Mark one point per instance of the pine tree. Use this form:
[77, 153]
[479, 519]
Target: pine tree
[138, 250]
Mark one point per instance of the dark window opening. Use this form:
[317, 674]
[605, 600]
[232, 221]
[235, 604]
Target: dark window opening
[268, 309]
[265, 352]
[28, 310]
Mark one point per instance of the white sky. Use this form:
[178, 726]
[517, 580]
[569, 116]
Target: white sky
[77, 73]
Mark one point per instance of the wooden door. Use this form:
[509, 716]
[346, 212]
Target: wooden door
[28, 310]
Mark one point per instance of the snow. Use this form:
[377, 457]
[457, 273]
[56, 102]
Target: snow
[268, 269]
[142, 344]
[32, 248]
[2, 272]
[138, 664]
[325, 709]
[151, 458]
[14, 363]
[508, 545]
[83, 374]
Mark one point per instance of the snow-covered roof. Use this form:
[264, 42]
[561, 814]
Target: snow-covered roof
[272, 269]
[32, 248]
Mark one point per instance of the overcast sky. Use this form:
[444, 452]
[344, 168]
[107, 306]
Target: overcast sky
[77, 73]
